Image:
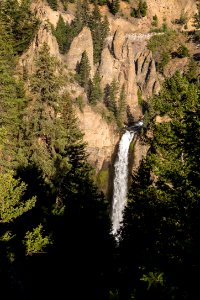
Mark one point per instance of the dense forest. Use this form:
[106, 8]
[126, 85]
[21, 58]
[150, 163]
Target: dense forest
[55, 231]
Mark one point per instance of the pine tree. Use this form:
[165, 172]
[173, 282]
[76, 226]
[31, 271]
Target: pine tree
[82, 15]
[142, 7]
[12, 104]
[61, 34]
[51, 130]
[112, 97]
[99, 29]
[45, 128]
[11, 204]
[20, 22]
[115, 6]
[95, 91]
[84, 71]
[140, 11]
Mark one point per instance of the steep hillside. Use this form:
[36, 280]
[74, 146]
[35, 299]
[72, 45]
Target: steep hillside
[124, 58]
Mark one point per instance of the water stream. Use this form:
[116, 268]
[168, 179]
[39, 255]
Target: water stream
[120, 187]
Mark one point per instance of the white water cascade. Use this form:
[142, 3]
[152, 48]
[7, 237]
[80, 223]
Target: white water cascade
[120, 188]
[121, 180]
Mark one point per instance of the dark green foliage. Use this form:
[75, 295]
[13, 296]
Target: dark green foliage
[115, 101]
[182, 20]
[12, 104]
[95, 91]
[114, 6]
[83, 71]
[155, 21]
[65, 33]
[192, 72]
[99, 2]
[102, 2]
[99, 29]
[111, 100]
[183, 51]
[46, 130]
[162, 47]
[20, 23]
[61, 34]
[77, 214]
[140, 11]
[40, 142]
[160, 238]
[53, 4]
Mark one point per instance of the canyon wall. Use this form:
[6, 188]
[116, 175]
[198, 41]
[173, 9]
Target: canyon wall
[125, 58]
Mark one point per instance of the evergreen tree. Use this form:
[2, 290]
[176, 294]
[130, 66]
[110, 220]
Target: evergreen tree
[20, 22]
[13, 206]
[115, 6]
[65, 33]
[112, 97]
[45, 131]
[142, 7]
[53, 4]
[84, 71]
[12, 104]
[95, 91]
[140, 11]
[82, 15]
[61, 34]
[84, 12]
[99, 29]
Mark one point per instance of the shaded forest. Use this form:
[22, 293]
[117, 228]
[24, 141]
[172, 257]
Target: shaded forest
[55, 229]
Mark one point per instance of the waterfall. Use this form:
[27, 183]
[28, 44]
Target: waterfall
[121, 180]
[120, 188]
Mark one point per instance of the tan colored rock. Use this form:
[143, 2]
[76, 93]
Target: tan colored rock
[130, 83]
[44, 35]
[162, 119]
[165, 10]
[118, 42]
[83, 42]
[46, 14]
[132, 65]
[146, 75]
[140, 152]
[106, 68]
[171, 10]
[101, 138]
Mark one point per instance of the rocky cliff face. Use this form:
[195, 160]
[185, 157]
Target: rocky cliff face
[132, 65]
[125, 58]
[101, 137]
